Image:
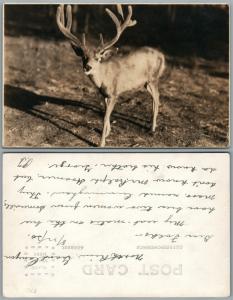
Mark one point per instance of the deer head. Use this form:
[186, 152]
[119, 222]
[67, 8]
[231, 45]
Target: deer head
[93, 58]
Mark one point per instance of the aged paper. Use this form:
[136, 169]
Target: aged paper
[107, 224]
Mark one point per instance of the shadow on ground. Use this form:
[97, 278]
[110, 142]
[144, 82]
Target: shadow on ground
[33, 104]
[27, 101]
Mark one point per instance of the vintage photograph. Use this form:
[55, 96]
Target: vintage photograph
[128, 76]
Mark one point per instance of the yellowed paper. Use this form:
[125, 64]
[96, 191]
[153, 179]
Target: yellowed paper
[97, 225]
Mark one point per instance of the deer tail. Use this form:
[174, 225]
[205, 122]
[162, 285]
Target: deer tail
[161, 67]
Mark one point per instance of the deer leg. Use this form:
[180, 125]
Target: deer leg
[110, 103]
[152, 88]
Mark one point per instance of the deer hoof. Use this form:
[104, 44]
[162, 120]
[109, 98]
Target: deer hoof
[153, 128]
[102, 144]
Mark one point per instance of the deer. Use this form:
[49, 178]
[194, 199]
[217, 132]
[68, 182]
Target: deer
[111, 73]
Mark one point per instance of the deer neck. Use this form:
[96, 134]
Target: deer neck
[96, 76]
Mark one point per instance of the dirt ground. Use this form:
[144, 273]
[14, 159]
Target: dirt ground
[50, 103]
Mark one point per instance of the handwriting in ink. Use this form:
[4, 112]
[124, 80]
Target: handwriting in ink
[170, 220]
[126, 195]
[153, 167]
[118, 167]
[26, 177]
[25, 162]
[176, 208]
[120, 181]
[31, 195]
[32, 260]
[65, 164]
[171, 180]
[159, 194]
[112, 256]
[13, 207]
[200, 196]
[198, 183]
[32, 222]
[78, 181]
[208, 209]
[152, 201]
[40, 238]
[189, 168]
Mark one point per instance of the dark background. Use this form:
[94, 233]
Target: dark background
[201, 30]
[48, 97]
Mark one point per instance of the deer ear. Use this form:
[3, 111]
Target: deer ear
[78, 50]
[108, 53]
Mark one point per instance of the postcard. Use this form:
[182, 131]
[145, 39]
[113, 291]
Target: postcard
[116, 225]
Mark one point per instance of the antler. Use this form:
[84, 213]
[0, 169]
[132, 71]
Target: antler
[120, 27]
[66, 28]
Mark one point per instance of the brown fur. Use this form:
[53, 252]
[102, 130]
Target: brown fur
[119, 74]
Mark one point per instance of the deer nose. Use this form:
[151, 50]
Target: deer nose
[87, 68]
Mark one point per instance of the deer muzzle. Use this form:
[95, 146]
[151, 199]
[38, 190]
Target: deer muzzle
[87, 68]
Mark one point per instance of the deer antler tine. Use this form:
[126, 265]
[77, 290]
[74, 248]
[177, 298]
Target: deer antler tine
[59, 15]
[120, 11]
[101, 40]
[84, 39]
[128, 22]
[120, 25]
[131, 22]
[69, 17]
[114, 18]
[128, 18]
[66, 28]
[62, 15]
[130, 10]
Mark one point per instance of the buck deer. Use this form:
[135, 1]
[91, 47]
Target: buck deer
[113, 74]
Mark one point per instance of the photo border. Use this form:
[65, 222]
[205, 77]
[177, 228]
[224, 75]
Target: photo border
[119, 150]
